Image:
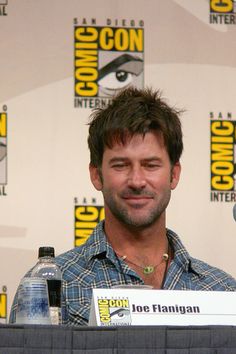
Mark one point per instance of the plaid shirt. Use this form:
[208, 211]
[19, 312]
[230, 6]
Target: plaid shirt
[95, 265]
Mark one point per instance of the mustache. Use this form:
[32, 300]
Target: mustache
[136, 192]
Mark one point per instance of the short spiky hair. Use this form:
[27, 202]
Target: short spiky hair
[134, 111]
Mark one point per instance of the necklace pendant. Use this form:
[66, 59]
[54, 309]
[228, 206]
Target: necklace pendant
[148, 270]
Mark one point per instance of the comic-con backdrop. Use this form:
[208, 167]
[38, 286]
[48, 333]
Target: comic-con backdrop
[60, 59]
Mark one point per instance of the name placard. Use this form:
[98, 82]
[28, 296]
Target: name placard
[126, 307]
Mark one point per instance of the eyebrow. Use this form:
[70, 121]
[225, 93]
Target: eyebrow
[148, 159]
[116, 63]
[117, 159]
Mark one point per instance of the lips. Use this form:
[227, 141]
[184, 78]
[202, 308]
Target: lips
[137, 200]
[137, 195]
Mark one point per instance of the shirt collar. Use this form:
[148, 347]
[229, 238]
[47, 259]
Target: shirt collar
[97, 244]
[181, 255]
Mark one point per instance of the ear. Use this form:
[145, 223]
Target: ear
[95, 177]
[175, 175]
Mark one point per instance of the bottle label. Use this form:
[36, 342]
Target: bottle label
[54, 292]
[33, 306]
[55, 315]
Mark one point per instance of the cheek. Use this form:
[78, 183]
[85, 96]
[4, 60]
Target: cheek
[114, 179]
[160, 181]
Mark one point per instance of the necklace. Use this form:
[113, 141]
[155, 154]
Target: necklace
[148, 269]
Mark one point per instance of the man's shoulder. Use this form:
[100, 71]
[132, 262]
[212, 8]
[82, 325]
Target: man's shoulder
[76, 252]
[77, 259]
[203, 276]
[212, 277]
[74, 258]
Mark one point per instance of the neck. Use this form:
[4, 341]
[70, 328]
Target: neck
[130, 240]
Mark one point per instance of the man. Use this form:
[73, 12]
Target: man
[135, 147]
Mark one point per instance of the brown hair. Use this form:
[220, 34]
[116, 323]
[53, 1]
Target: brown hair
[134, 111]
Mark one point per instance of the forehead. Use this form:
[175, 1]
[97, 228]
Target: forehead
[152, 143]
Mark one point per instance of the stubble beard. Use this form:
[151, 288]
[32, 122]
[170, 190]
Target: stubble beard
[129, 218]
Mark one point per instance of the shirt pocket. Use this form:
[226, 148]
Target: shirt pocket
[78, 303]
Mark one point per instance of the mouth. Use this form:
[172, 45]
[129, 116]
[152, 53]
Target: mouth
[137, 197]
[137, 194]
[137, 200]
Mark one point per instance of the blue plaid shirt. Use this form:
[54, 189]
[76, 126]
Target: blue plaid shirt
[95, 265]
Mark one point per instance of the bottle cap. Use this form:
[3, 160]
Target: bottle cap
[46, 252]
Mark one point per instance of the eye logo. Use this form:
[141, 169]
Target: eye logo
[121, 313]
[107, 59]
[114, 312]
[119, 73]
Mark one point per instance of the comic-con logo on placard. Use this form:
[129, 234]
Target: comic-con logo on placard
[223, 12]
[3, 7]
[114, 312]
[86, 218]
[106, 59]
[3, 305]
[223, 157]
[3, 152]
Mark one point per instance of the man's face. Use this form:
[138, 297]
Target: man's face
[136, 180]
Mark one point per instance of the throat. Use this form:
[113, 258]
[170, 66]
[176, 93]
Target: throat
[151, 273]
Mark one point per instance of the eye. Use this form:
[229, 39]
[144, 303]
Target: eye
[119, 73]
[119, 165]
[116, 80]
[120, 313]
[152, 165]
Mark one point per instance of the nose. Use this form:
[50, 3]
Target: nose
[136, 178]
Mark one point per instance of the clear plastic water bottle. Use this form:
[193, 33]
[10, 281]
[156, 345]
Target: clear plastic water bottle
[32, 301]
[47, 268]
